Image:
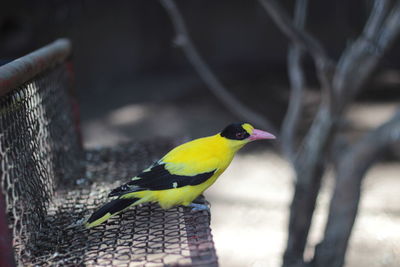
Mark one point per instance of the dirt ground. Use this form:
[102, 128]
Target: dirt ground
[250, 201]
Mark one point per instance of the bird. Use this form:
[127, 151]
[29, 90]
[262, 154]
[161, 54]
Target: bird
[183, 174]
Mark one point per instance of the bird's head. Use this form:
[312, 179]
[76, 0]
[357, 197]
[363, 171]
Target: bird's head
[241, 133]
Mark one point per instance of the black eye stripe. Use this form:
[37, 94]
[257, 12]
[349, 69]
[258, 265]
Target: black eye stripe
[235, 131]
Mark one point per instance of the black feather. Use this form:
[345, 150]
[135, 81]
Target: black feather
[159, 178]
[235, 131]
[112, 207]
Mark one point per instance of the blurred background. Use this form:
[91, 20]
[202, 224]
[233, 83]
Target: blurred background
[134, 83]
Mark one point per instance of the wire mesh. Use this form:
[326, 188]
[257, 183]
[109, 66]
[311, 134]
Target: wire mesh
[50, 184]
[38, 148]
[142, 236]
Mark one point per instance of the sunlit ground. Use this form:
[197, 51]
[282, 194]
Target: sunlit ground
[250, 201]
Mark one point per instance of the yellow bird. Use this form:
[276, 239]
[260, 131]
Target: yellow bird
[182, 174]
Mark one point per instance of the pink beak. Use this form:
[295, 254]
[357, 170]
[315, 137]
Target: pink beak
[258, 135]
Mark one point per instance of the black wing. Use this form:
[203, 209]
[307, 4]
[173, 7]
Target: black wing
[159, 178]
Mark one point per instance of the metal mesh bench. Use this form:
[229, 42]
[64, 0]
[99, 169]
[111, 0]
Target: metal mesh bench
[49, 182]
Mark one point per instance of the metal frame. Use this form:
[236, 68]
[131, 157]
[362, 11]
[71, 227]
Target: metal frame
[13, 75]
[23, 69]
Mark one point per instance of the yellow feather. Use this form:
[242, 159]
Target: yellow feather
[99, 221]
[197, 156]
[249, 128]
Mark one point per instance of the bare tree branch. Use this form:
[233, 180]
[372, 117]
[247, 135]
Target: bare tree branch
[344, 203]
[356, 64]
[353, 69]
[309, 166]
[309, 162]
[216, 87]
[301, 38]
[378, 12]
[360, 58]
[297, 83]
[390, 29]
[323, 63]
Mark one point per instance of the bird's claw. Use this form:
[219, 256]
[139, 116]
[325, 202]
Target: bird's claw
[198, 207]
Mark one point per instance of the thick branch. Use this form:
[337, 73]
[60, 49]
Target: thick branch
[297, 83]
[309, 162]
[216, 87]
[357, 62]
[344, 203]
[309, 166]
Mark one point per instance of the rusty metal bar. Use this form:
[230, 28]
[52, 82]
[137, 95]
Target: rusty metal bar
[23, 69]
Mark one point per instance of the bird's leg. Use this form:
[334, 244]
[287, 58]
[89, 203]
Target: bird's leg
[198, 207]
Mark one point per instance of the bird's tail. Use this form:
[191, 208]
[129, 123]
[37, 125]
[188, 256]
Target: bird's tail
[110, 209]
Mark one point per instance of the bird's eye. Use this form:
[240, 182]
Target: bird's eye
[239, 135]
